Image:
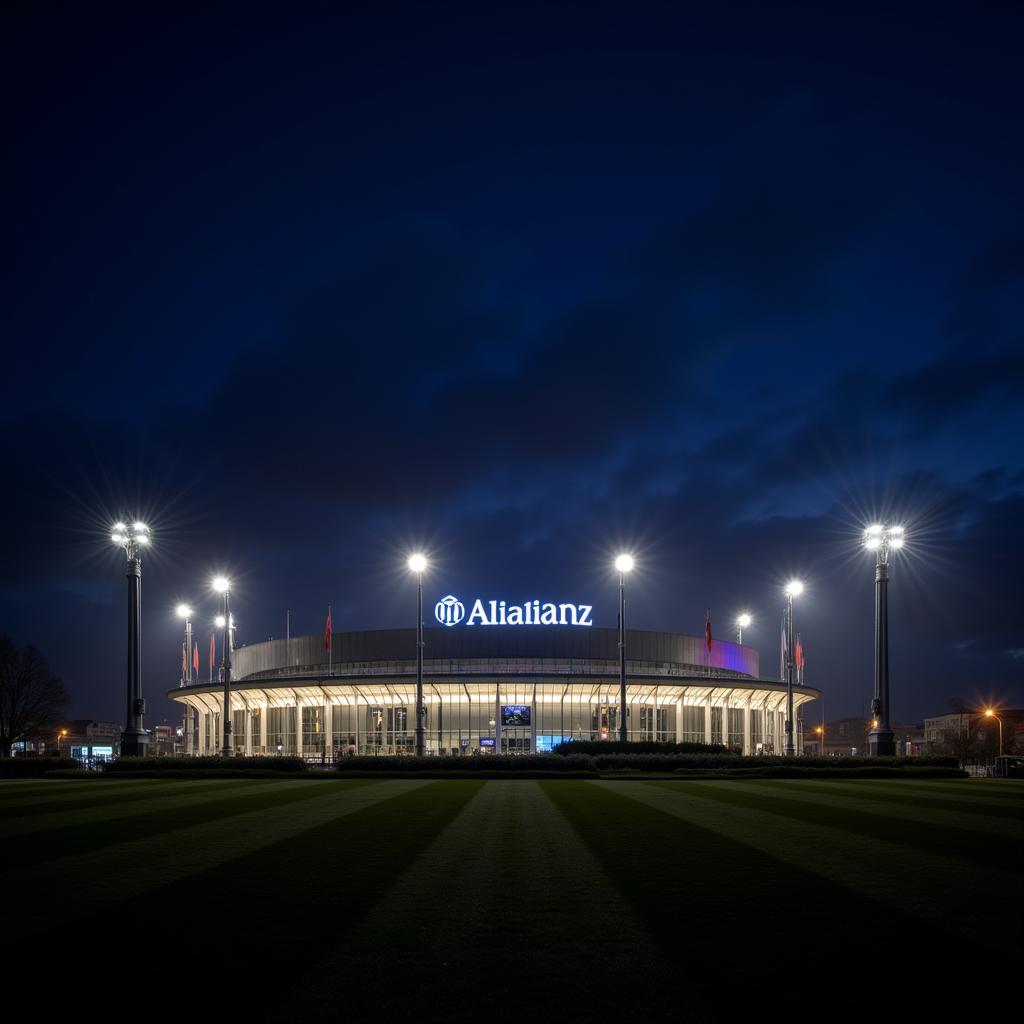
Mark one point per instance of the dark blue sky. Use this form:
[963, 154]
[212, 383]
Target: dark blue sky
[521, 287]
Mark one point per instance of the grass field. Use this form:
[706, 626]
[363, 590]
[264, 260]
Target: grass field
[699, 900]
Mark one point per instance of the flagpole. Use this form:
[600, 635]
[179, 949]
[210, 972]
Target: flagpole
[330, 645]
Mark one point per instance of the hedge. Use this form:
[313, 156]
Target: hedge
[490, 763]
[672, 762]
[162, 765]
[796, 771]
[33, 767]
[595, 747]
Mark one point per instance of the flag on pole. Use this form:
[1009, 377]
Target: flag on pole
[798, 655]
[327, 630]
[195, 659]
[184, 659]
[707, 631]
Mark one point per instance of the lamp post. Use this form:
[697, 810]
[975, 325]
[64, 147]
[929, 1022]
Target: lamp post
[989, 713]
[882, 540]
[793, 589]
[417, 563]
[184, 612]
[742, 621]
[223, 586]
[63, 732]
[132, 538]
[624, 564]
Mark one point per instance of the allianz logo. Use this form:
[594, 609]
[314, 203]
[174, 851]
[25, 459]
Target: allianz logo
[450, 611]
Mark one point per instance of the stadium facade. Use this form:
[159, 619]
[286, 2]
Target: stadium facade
[518, 688]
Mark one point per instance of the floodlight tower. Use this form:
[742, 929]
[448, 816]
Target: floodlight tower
[882, 539]
[742, 621]
[417, 564]
[624, 564]
[223, 586]
[794, 588]
[132, 538]
[184, 612]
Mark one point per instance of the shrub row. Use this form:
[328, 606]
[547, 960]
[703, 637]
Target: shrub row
[489, 763]
[596, 747]
[672, 762]
[162, 765]
[33, 767]
[796, 771]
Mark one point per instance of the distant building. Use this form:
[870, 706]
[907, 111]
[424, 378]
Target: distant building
[90, 741]
[165, 741]
[848, 737]
[969, 732]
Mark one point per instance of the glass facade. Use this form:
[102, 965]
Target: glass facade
[376, 717]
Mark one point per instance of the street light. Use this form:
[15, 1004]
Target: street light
[64, 732]
[624, 564]
[989, 713]
[184, 612]
[132, 538]
[417, 564]
[742, 621]
[223, 586]
[794, 588]
[881, 540]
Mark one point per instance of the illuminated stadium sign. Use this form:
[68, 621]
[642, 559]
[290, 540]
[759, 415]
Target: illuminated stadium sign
[450, 611]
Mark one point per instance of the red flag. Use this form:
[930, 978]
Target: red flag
[184, 659]
[798, 655]
[213, 649]
[195, 659]
[327, 630]
[707, 631]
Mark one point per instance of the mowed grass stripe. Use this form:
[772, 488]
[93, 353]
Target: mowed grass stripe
[871, 806]
[968, 797]
[268, 912]
[70, 794]
[152, 818]
[733, 920]
[827, 809]
[506, 896]
[90, 883]
[104, 809]
[941, 890]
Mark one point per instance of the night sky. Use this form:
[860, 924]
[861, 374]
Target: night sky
[309, 290]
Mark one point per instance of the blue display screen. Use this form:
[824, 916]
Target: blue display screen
[486, 741]
[513, 715]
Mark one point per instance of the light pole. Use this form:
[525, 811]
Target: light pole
[794, 588]
[624, 564]
[132, 539]
[223, 586]
[881, 540]
[417, 563]
[64, 732]
[989, 713]
[742, 621]
[184, 612]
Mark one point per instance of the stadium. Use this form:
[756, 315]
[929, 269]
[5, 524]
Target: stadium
[490, 686]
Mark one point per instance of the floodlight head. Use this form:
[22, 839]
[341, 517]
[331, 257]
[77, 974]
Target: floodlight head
[794, 588]
[624, 563]
[220, 621]
[896, 542]
[417, 562]
[221, 584]
[875, 530]
[872, 543]
[140, 527]
[183, 611]
[743, 621]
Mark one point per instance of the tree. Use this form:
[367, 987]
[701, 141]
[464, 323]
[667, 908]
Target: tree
[31, 696]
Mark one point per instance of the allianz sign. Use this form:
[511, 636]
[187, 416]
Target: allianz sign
[450, 611]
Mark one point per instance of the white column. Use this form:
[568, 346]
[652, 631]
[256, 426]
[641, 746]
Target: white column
[497, 718]
[679, 720]
[328, 728]
[297, 711]
[707, 720]
[746, 729]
